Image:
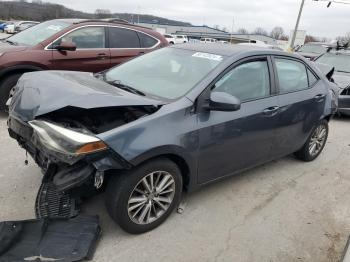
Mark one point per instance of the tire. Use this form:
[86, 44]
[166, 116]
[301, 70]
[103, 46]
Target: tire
[5, 88]
[171, 43]
[317, 141]
[123, 189]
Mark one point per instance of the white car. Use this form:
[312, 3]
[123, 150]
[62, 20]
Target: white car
[208, 40]
[170, 39]
[180, 39]
[19, 26]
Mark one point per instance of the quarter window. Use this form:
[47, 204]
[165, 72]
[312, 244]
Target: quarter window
[123, 38]
[248, 81]
[147, 41]
[292, 75]
[87, 37]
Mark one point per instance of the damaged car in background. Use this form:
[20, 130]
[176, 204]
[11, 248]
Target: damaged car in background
[163, 123]
[338, 59]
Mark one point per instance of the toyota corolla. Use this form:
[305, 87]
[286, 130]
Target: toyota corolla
[166, 122]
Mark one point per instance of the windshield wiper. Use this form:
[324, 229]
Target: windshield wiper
[130, 89]
[9, 41]
[341, 71]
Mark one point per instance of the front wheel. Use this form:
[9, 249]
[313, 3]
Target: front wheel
[315, 143]
[6, 87]
[141, 199]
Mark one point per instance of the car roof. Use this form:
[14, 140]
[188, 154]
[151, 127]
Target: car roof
[228, 50]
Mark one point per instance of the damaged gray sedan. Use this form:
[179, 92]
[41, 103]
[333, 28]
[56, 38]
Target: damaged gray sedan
[163, 123]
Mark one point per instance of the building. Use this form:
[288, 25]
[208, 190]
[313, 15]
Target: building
[198, 32]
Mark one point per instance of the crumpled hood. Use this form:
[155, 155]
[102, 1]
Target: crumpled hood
[38, 93]
[5, 48]
[308, 55]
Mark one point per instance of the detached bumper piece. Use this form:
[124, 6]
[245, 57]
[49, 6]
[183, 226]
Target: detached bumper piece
[64, 240]
[51, 203]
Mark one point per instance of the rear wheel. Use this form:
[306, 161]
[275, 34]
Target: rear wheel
[315, 143]
[141, 199]
[5, 88]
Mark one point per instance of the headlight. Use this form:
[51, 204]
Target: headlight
[65, 141]
[1, 54]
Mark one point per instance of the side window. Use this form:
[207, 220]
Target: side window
[292, 75]
[247, 81]
[312, 78]
[87, 37]
[147, 41]
[123, 38]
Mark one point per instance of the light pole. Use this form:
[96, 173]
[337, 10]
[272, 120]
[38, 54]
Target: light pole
[296, 25]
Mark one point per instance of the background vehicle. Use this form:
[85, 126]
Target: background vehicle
[208, 40]
[2, 26]
[23, 25]
[72, 44]
[170, 38]
[340, 60]
[312, 50]
[172, 120]
[180, 39]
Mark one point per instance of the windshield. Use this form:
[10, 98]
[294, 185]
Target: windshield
[317, 49]
[166, 73]
[38, 33]
[339, 62]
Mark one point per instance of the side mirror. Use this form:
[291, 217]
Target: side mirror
[66, 46]
[221, 101]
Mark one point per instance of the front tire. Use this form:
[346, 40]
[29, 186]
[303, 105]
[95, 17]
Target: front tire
[5, 89]
[315, 143]
[141, 199]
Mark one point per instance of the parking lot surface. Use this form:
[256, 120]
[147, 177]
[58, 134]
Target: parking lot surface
[286, 210]
[2, 35]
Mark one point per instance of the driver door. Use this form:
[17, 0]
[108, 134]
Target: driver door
[91, 54]
[232, 141]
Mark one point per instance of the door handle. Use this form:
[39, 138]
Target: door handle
[271, 110]
[102, 56]
[320, 97]
[141, 53]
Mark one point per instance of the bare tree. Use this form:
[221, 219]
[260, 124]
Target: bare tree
[284, 37]
[310, 38]
[277, 32]
[260, 31]
[102, 13]
[242, 31]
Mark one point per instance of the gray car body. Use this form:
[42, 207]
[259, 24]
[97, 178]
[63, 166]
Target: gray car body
[207, 145]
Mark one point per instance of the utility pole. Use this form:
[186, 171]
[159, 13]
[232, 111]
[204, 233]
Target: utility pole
[297, 25]
[233, 24]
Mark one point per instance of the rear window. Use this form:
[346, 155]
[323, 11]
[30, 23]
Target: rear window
[123, 38]
[147, 41]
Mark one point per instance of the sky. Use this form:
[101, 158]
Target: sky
[317, 19]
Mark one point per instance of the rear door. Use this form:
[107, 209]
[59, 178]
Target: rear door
[91, 55]
[301, 99]
[125, 44]
[232, 141]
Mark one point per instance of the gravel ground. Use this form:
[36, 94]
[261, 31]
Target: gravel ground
[286, 210]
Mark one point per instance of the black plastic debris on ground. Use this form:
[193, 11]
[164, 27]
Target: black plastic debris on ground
[49, 239]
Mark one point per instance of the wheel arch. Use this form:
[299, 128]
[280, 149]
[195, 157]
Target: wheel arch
[19, 69]
[183, 160]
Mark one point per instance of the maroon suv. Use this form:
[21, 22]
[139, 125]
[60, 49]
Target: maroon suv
[72, 44]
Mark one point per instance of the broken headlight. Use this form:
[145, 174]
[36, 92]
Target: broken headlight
[65, 141]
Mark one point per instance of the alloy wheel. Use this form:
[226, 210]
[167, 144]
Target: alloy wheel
[317, 140]
[151, 197]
